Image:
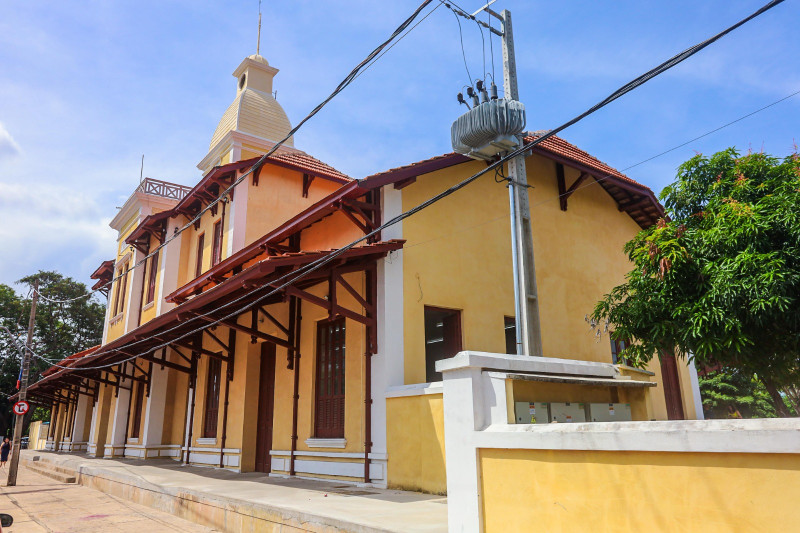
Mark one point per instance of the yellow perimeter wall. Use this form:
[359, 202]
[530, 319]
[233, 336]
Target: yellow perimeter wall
[638, 491]
[415, 443]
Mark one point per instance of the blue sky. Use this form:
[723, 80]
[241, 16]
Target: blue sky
[87, 87]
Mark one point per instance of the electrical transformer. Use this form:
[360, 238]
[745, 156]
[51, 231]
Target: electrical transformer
[488, 128]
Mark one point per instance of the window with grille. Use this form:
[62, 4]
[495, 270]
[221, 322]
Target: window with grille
[137, 410]
[201, 241]
[151, 281]
[330, 385]
[216, 249]
[442, 338]
[510, 329]
[212, 398]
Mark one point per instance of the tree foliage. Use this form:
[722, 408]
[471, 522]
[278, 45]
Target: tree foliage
[732, 394]
[720, 279]
[61, 329]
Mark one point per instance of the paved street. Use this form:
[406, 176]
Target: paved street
[40, 504]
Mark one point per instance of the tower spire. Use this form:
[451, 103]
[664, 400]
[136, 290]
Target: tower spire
[258, 43]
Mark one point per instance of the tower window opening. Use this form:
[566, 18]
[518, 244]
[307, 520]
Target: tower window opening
[242, 80]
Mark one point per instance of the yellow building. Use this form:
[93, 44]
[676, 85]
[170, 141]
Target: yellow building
[229, 343]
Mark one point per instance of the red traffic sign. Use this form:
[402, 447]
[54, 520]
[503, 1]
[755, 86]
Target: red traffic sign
[21, 407]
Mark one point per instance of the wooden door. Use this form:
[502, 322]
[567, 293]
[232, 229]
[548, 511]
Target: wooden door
[266, 403]
[672, 387]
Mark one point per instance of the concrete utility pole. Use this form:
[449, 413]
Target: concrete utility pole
[23, 389]
[528, 329]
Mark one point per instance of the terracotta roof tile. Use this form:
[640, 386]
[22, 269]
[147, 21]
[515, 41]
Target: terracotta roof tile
[559, 146]
[312, 164]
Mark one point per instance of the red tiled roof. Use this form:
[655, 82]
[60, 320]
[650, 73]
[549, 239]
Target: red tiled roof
[312, 165]
[69, 361]
[557, 145]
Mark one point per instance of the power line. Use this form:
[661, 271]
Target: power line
[315, 265]
[607, 176]
[257, 165]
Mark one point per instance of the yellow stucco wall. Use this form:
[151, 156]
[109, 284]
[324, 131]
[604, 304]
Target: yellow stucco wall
[415, 443]
[579, 258]
[278, 197]
[639, 491]
[189, 241]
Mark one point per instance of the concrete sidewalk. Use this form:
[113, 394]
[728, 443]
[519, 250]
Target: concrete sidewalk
[40, 504]
[253, 502]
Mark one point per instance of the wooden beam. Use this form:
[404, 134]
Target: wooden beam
[325, 304]
[217, 340]
[577, 183]
[198, 349]
[361, 225]
[354, 293]
[255, 333]
[562, 186]
[274, 320]
[164, 362]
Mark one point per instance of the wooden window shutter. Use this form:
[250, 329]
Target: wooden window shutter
[330, 380]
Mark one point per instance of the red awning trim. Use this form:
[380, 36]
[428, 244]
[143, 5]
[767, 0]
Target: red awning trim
[242, 284]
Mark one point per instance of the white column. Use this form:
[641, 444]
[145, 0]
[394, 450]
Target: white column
[91, 446]
[237, 221]
[79, 424]
[387, 363]
[463, 405]
[119, 423]
[133, 304]
[156, 402]
[169, 261]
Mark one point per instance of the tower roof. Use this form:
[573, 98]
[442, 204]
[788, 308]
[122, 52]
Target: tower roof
[255, 110]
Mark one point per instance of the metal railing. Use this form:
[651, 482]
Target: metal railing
[163, 188]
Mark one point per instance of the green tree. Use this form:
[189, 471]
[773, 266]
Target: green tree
[719, 280]
[734, 395]
[61, 329]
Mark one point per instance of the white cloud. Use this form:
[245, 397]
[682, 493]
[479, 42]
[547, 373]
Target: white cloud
[52, 227]
[8, 146]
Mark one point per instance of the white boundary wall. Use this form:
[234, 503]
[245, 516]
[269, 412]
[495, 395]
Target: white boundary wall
[476, 417]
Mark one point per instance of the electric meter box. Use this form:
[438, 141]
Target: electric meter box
[567, 412]
[531, 412]
[609, 412]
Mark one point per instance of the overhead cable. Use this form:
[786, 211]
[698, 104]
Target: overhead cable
[315, 265]
[257, 165]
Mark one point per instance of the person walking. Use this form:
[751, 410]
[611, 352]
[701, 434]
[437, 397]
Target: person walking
[4, 451]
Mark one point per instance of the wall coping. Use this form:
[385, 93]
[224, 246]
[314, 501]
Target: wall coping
[523, 363]
[761, 435]
[417, 389]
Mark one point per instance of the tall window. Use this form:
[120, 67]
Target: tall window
[216, 249]
[122, 285]
[137, 410]
[201, 242]
[212, 398]
[329, 412]
[151, 281]
[442, 338]
[510, 328]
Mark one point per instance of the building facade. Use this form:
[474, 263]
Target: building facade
[234, 340]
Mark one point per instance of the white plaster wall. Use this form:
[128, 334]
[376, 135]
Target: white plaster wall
[120, 416]
[169, 261]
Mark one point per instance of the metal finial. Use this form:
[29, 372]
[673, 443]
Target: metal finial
[258, 44]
